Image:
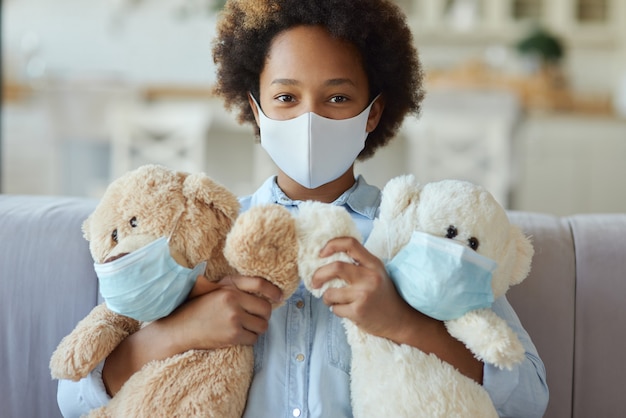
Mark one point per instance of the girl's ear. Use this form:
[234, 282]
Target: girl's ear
[375, 113]
[255, 108]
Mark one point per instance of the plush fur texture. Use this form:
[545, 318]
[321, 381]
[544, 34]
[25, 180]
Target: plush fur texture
[408, 206]
[318, 223]
[263, 243]
[388, 379]
[202, 219]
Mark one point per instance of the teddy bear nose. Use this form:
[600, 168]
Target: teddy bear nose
[115, 257]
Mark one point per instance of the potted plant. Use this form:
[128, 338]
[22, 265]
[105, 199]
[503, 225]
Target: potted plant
[541, 48]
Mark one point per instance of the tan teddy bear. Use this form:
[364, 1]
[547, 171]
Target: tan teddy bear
[201, 222]
[392, 380]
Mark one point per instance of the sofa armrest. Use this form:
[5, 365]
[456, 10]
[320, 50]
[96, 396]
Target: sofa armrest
[600, 341]
[47, 284]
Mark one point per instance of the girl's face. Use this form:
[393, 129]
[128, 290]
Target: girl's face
[307, 70]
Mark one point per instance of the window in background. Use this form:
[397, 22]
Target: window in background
[409, 6]
[591, 11]
[527, 9]
[464, 15]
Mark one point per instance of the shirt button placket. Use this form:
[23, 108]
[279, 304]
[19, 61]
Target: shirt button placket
[298, 340]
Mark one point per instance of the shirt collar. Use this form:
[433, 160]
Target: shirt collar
[362, 197]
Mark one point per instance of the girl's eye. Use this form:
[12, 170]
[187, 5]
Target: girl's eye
[338, 99]
[285, 98]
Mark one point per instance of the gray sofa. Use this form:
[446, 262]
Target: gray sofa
[573, 303]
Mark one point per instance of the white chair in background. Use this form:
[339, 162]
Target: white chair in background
[467, 135]
[171, 133]
[77, 148]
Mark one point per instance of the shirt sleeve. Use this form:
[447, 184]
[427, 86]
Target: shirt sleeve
[523, 391]
[76, 399]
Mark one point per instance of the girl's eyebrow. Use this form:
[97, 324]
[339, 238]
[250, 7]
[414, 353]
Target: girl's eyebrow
[285, 82]
[338, 81]
[293, 82]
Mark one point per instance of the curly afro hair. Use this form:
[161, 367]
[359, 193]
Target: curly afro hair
[377, 28]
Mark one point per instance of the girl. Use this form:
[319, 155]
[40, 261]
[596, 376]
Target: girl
[323, 82]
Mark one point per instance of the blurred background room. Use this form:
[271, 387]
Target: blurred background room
[527, 97]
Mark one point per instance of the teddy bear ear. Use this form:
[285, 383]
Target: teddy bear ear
[524, 255]
[201, 188]
[398, 194]
[85, 228]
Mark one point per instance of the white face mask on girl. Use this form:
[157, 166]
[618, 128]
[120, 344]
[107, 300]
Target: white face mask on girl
[311, 149]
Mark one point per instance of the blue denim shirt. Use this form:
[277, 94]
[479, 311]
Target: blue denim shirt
[302, 363]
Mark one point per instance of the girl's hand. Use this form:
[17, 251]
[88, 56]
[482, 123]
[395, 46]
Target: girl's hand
[233, 311]
[370, 299]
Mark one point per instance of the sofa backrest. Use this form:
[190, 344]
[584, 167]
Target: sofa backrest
[572, 303]
[545, 303]
[47, 284]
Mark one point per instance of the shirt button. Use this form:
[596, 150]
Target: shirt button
[300, 357]
[296, 412]
[299, 304]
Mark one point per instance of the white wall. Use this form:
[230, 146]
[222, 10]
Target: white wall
[150, 43]
[56, 143]
[146, 43]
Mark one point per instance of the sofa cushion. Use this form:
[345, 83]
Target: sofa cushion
[545, 302]
[47, 285]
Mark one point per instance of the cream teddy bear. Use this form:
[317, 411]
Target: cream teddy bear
[206, 234]
[388, 379]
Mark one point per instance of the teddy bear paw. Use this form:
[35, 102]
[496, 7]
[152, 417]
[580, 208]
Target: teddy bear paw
[488, 337]
[263, 243]
[317, 223]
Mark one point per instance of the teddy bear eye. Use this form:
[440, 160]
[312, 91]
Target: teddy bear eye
[133, 222]
[114, 235]
[473, 243]
[451, 232]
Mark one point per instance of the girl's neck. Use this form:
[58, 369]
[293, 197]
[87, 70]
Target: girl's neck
[326, 193]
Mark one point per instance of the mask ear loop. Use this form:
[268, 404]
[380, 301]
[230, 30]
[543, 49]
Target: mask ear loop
[258, 106]
[374, 100]
[371, 104]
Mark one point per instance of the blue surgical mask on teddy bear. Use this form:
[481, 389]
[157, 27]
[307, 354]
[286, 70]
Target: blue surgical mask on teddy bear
[441, 278]
[148, 283]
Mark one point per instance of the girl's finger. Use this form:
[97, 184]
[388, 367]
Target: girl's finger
[347, 272]
[254, 285]
[338, 296]
[353, 248]
[202, 286]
